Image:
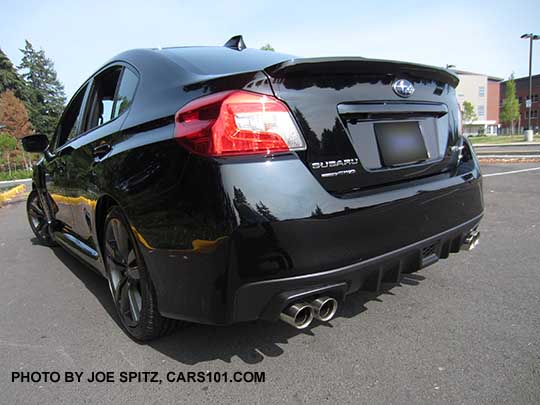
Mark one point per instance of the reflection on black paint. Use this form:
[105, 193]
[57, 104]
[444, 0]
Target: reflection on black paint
[256, 236]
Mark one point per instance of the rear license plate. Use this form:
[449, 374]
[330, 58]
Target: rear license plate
[400, 143]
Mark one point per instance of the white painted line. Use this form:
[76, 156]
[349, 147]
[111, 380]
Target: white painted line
[512, 172]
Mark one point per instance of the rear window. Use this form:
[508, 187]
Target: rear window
[222, 60]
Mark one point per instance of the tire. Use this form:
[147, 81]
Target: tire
[132, 290]
[38, 220]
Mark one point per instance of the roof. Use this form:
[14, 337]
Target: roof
[517, 79]
[218, 60]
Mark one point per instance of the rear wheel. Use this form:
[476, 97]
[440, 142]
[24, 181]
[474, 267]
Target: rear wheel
[38, 220]
[131, 287]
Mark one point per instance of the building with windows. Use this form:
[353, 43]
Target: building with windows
[483, 92]
[522, 94]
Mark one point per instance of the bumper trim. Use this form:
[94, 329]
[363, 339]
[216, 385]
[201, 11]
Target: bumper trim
[265, 299]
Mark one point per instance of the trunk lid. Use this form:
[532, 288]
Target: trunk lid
[362, 132]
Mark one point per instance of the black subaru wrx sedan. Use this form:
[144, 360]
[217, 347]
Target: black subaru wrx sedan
[225, 184]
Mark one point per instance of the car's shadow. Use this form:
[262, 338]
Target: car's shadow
[92, 280]
[251, 342]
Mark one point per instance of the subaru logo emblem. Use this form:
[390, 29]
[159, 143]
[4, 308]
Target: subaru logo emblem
[403, 88]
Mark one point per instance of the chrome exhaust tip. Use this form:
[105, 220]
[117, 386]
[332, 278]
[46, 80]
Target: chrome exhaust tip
[471, 240]
[298, 315]
[324, 308]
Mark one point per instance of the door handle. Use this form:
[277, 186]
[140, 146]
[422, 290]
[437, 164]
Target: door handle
[101, 150]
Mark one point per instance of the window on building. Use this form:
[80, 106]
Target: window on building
[481, 91]
[532, 113]
[535, 98]
[520, 99]
[481, 111]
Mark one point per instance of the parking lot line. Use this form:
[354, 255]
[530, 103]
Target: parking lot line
[512, 172]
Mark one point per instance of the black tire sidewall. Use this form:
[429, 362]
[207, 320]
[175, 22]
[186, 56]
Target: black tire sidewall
[145, 328]
[44, 241]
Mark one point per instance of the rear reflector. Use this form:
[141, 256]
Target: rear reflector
[237, 123]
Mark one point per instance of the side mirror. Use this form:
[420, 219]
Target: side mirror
[35, 143]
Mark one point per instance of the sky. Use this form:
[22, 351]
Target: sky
[79, 36]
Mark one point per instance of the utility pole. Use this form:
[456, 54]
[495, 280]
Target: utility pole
[528, 103]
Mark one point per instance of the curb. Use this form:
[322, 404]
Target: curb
[510, 156]
[8, 195]
[508, 159]
[480, 145]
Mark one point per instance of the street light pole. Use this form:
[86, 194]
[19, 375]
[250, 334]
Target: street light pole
[528, 104]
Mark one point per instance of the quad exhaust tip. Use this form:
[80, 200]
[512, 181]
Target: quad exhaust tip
[471, 240]
[324, 308]
[300, 315]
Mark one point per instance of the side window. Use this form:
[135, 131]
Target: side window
[126, 91]
[69, 124]
[112, 93]
[101, 99]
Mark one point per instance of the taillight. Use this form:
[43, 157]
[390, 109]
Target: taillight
[237, 123]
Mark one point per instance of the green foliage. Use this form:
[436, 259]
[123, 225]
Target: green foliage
[469, 115]
[16, 175]
[510, 109]
[7, 143]
[44, 94]
[267, 47]
[9, 78]
[37, 85]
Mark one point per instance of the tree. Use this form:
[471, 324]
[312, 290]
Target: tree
[317, 212]
[267, 47]
[469, 116]
[14, 118]
[44, 95]
[265, 211]
[7, 145]
[14, 115]
[510, 109]
[9, 78]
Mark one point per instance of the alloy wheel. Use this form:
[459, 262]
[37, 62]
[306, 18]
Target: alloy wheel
[124, 275]
[37, 218]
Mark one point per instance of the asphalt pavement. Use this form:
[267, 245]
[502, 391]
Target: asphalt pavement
[465, 330]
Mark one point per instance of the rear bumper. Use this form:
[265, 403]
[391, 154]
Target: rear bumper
[205, 298]
[266, 299]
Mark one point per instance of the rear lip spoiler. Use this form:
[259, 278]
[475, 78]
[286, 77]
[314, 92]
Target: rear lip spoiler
[357, 65]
